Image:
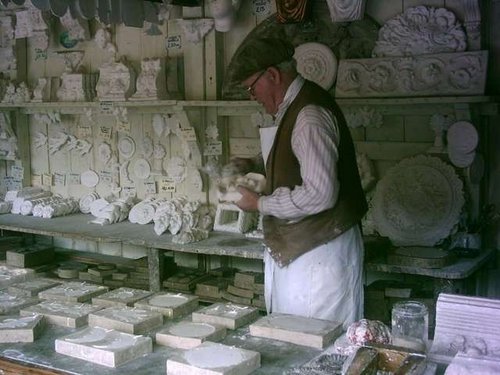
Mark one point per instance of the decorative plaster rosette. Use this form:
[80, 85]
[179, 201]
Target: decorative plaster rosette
[316, 62]
[418, 202]
[420, 30]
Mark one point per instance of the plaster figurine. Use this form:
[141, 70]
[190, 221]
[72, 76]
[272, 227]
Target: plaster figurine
[103, 40]
[224, 13]
[39, 90]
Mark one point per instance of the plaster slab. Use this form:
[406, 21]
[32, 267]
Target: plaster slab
[11, 303]
[11, 275]
[31, 288]
[66, 314]
[102, 346]
[214, 359]
[30, 256]
[121, 297]
[20, 329]
[186, 334]
[73, 291]
[228, 315]
[126, 319]
[316, 333]
[170, 305]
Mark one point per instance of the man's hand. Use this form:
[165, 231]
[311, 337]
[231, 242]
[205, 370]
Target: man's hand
[249, 199]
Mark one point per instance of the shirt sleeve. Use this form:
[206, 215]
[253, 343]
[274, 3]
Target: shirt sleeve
[315, 140]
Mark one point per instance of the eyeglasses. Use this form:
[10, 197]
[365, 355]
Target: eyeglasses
[251, 87]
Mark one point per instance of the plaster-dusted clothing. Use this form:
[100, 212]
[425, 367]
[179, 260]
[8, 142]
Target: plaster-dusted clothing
[324, 283]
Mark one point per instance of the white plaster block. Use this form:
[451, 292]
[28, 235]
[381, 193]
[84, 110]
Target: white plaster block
[11, 303]
[121, 297]
[231, 218]
[66, 314]
[186, 334]
[20, 329]
[316, 333]
[126, 319]
[102, 346]
[31, 288]
[73, 291]
[214, 359]
[170, 305]
[228, 315]
[11, 275]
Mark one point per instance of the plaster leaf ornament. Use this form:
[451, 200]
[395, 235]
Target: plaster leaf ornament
[175, 168]
[77, 28]
[102, 39]
[159, 124]
[57, 143]
[363, 116]
[194, 30]
[418, 202]
[346, 10]
[147, 147]
[212, 132]
[126, 147]
[420, 30]
[124, 174]
[317, 63]
[104, 152]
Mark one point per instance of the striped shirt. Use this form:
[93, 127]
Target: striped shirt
[315, 140]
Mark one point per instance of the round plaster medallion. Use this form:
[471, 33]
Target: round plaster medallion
[89, 335]
[418, 202]
[167, 300]
[462, 137]
[191, 329]
[126, 147]
[461, 160]
[142, 169]
[115, 341]
[213, 356]
[89, 178]
[104, 152]
[317, 63]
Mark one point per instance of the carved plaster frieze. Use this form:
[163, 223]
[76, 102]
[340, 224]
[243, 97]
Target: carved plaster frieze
[420, 30]
[194, 30]
[363, 116]
[346, 10]
[461, 73]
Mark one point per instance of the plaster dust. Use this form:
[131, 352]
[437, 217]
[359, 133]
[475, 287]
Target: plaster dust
[190, 329]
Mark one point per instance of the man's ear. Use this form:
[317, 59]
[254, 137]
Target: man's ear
[274, 74]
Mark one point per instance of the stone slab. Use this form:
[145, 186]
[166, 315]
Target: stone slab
[73, 291]
[66, 314]
[30, 256]
[214, 359]
[228, 315]
[102, 346]
[11, 303]
[186, 334]
[20, 329]
[170, 305]
[31, 288]
[315, 333]
[121, 297]
[126, 319]
[10, 275]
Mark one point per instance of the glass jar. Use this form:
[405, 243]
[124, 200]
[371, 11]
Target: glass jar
[410, 324]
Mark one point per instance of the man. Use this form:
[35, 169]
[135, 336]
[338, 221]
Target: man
[313, 201]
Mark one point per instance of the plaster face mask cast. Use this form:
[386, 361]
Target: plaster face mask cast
[224, 13]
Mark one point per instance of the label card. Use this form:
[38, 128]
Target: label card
[173, 42]
[213, 148]
[166, 186]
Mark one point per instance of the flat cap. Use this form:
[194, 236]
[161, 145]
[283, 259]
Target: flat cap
[260, 53]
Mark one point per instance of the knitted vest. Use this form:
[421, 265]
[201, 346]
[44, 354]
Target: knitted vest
[289, 241]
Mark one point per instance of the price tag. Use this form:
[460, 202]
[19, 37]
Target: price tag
[59, 179]
[173, 42]
[84, 131]
[150, 187]
[213, 148]
[17, 172]
[105, 132]
[74, 179]
[36, 180]
[106, 108]
[123, 127]
[261, 7]
[47, 179]
[106, 177]
[166, 186]
[129, 191]
[188, 134]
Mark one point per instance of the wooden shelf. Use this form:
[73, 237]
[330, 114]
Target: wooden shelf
[78, 227]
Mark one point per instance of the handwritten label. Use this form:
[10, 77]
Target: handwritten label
[106, 108]
[36, 180]
[106, 177]
[47, 179]
[105, 132]
[123, 127]
[213, 148]
[166, 186]
[261, 7]
[59, 179]
[150, 187]
[74, 179]
[40, 54]
[174, 42]
[17, 172]
[188, 134]
[129, 191]
[84, 131]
